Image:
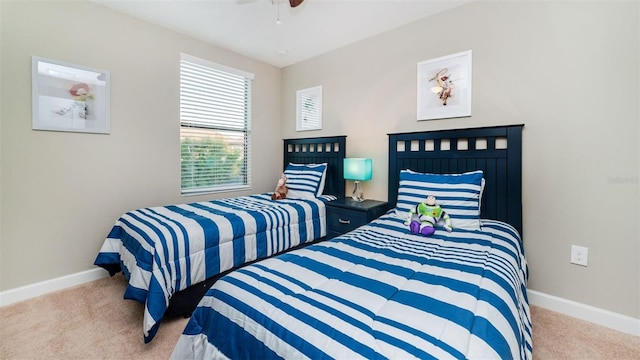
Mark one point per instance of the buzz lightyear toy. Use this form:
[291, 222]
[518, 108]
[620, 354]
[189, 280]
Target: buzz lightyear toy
[424, 216]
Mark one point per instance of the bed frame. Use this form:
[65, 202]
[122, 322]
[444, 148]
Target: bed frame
[330, 150]
[497, 151]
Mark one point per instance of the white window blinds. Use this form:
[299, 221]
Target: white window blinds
[309, 109]
[215, 126]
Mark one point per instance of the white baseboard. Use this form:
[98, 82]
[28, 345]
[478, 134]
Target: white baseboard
[44, 287]
[606, 318]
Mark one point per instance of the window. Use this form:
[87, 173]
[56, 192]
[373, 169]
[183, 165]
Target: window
[215, 127]
[309, 109]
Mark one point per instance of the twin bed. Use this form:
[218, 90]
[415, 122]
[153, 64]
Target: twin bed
[172, 254]
[382, 292]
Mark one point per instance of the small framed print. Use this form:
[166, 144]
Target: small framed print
[68, 97]
[309, 109]
[444, 87]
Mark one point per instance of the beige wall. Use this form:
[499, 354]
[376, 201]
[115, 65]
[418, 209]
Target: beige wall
[568, 71]
[62, 192]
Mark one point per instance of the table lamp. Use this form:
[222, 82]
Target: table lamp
[357, 169]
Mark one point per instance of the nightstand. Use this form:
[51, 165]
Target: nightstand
[344, 215]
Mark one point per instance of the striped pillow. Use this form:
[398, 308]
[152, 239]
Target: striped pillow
[305, 181]
[458, 194]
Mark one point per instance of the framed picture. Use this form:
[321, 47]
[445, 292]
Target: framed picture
[309, 109]
[444, 87]
[67, 97]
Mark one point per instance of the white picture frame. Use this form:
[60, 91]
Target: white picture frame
[68, 97]
[309, 109]
[444, 87]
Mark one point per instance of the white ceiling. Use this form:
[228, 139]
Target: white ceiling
[248, 27]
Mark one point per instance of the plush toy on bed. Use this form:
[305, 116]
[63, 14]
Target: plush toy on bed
[281, 189]
[425, 215]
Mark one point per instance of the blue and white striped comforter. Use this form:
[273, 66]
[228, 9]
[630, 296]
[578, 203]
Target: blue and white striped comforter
[377, 292]
[165, 249]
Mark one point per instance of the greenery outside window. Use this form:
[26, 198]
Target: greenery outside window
[215, 127]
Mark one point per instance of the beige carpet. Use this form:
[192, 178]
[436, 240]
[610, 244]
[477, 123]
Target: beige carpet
[92, 321]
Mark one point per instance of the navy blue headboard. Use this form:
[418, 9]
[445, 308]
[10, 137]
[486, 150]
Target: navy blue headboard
[330, 150]
[497, 151]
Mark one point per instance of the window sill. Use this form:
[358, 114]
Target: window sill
[231, 188]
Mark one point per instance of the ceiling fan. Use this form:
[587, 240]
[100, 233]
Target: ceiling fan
[292, 3]
[295, 3]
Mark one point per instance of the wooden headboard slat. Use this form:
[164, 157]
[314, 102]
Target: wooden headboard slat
[330, 150]
[463, 150]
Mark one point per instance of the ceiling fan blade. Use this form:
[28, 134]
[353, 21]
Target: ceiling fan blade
[295, 3]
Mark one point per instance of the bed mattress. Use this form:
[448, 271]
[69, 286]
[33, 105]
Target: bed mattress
[165, 249]
[376, 292]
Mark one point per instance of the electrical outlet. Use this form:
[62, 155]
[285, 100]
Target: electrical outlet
[579, 255]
